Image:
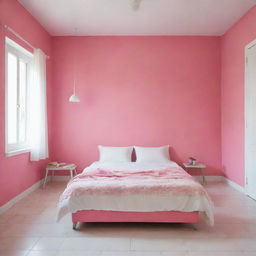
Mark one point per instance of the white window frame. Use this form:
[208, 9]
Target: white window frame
[21, 53]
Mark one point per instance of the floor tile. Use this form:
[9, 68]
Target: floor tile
[236, 244]
[13, 253]
[131, 253]
[78, 253]
[185, 253]
[157, 244]
[214, 253]
[48, 243]
[96, 244]
[42, 253]
[29, 229]
[249, 253]
[17, 243]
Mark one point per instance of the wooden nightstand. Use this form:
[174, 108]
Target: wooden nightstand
[196, 166]
[70, 167]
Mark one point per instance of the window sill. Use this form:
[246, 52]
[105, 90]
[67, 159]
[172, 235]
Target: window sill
[17, 152]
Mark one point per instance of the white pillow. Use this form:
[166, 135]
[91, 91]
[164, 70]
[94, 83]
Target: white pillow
[152, 154]
[115, 154]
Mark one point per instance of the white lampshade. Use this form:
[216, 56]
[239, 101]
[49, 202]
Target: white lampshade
[74, 98]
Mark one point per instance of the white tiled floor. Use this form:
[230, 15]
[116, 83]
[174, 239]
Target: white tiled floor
[29, 229]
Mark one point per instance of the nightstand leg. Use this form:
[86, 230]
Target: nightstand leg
[202, 173]
[45, 178]
[52, 175]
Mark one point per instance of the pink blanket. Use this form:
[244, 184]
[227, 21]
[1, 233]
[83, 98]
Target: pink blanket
[172, 180]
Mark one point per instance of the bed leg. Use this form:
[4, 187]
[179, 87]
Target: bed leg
[193, 225]
[75, 225]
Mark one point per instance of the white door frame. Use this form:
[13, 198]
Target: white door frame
[247, 47]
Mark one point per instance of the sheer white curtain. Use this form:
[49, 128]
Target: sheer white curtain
[37, 109]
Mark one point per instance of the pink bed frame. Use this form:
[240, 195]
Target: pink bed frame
[117, 216]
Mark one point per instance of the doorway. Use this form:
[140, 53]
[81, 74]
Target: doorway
[250, 120]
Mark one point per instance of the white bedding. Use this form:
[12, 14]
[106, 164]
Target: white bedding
[130, 166]
[137, 202]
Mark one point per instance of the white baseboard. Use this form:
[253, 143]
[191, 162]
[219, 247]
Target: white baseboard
[235, 185]
[20, 196]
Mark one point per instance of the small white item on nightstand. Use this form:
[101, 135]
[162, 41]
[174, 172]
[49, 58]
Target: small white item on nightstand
[192, 160]
[54, 166]
[196, 166]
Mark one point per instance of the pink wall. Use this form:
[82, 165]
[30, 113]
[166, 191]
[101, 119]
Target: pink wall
[232, 84]
[144, 90]
[147, 91]
[17, 173]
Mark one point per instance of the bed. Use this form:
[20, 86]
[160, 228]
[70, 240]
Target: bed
[135, 192]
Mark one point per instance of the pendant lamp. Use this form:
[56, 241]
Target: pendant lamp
[74, 97]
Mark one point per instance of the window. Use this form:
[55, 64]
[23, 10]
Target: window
[18, 68]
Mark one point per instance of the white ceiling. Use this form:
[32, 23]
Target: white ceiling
[154, 17]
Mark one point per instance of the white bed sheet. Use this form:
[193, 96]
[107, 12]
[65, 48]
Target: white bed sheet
[138, 202]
